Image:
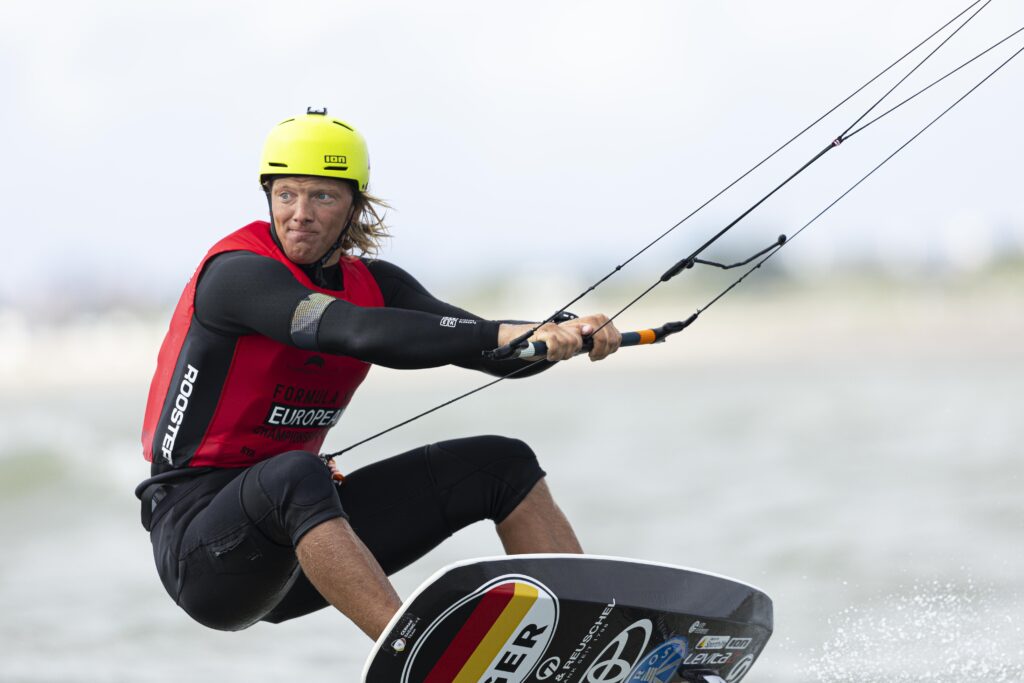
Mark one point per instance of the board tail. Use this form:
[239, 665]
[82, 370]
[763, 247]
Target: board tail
[573, 619]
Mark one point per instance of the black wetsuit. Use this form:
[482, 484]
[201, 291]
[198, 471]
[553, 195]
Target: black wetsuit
[224, 539]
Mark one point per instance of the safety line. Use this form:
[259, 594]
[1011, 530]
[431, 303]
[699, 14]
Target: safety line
[619, 267]
[911, 72]
[858, 183]
[689, 261]
[934, 83]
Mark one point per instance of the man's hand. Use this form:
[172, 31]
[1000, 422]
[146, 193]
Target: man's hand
[565, 340]
[606, 342]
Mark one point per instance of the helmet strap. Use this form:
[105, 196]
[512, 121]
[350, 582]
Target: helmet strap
[318, 270]
[273, 230]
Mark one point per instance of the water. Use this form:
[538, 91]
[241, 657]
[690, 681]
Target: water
[942, 632]
[869, 481]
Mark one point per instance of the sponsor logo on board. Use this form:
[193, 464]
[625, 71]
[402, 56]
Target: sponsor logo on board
[699, 628]
[660, 664]
[403, 634]
[586, 643]
[408, 628]
[620, 655]
[548, 668]
[713, 658]
[740, 669]
[738, 644]
[498, 633]
[712, 642]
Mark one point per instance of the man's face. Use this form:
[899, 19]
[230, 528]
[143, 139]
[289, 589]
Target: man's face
[309, 215]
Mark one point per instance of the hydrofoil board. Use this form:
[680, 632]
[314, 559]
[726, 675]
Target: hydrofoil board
[573, 619]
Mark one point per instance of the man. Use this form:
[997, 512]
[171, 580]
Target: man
[270, 339]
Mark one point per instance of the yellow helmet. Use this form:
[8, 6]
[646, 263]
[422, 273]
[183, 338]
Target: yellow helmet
[318, 145]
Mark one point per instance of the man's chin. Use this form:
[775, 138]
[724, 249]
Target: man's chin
[303, 257]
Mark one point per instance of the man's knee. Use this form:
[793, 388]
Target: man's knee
[288, 494]
[495, 471]
[519, 471]
[300, 476]
[512, 457]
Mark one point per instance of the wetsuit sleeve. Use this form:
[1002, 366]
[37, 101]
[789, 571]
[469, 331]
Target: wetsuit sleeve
[402, 290]
[242, 293]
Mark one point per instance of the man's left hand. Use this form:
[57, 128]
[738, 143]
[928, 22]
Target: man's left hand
[606, 341]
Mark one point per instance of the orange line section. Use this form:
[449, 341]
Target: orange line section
[504, 626]
[647, 337]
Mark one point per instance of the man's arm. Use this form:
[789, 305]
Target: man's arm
[242, 293]
[402, 290]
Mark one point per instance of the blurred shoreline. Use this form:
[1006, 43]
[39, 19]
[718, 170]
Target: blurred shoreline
[114, 344]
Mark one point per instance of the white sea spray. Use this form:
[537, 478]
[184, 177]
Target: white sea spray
[933, 632]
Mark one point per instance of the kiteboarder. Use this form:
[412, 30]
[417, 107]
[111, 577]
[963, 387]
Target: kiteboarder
[269, 341]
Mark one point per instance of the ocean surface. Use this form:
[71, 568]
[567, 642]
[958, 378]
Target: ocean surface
[862, 464]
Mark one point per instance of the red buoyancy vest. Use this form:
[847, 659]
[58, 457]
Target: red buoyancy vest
[223, 401]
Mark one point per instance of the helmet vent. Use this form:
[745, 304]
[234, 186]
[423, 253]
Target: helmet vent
[335, 168]
[339, 123]
[277, 164]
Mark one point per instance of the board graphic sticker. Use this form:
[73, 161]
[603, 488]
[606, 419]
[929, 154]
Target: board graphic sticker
[571, 619]
[498, 632]
[661, 664]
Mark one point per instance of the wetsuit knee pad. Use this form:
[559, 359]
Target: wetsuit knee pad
[483, 477]
[287, 495]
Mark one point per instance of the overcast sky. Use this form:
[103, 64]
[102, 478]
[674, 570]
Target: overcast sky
[510, 137]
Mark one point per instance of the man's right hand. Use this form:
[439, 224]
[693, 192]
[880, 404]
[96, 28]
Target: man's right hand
[563, 342]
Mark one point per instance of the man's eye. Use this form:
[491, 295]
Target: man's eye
[322, 196]
[284, 196]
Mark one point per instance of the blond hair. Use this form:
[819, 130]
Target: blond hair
[367, 231]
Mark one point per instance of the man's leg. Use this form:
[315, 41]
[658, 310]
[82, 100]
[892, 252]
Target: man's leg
[261, 534]
[342, 569]
[345, 573]
[402, 507]
[537, 525]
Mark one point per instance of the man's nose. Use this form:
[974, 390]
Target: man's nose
[302, 212]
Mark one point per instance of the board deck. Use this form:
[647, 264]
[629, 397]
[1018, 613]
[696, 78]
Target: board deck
[572, 619]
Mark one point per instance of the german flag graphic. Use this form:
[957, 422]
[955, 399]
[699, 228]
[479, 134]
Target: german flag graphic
[506, 629]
